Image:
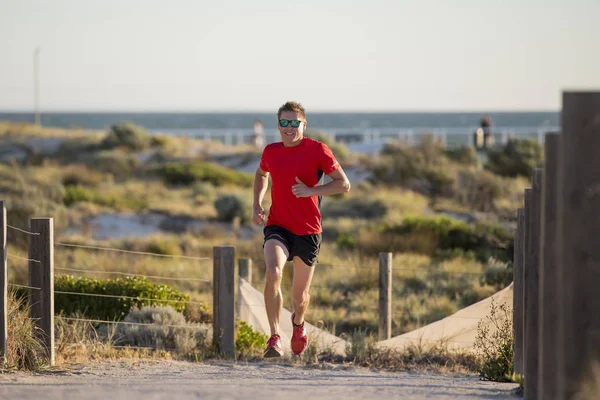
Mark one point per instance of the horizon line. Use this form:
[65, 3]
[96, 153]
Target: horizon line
[242, 111]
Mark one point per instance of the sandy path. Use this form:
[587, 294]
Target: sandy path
[228, 380]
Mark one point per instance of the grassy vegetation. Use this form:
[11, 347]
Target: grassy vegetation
[440, 264]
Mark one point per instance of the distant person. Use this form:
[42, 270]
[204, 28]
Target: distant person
[486, 126]
[292, 231]
[259, 134]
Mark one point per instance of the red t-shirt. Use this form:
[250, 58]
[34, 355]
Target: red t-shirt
[308, 161]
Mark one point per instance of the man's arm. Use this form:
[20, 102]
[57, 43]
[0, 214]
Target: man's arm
[261, 182]
[339, 184]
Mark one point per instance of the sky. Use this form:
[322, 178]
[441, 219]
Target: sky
[331, 55]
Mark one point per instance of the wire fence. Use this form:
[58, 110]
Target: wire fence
[132, 274]
[22, 230]
[99, 321]
[145, 253]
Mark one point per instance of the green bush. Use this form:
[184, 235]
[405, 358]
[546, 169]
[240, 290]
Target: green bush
[248, 341]
[108, 308]
[80, 175]
[355, 207]
[464, 155]
[423, 168]
[166, 329]
[116, 163]
[497, 274]
[204, 190]
[495, 346]
[479, 190]
[128, 135]
[340, 151]
[345, 241]
[231, 206]
[179, 173]
[75, 194]
[430, 235]
[519, 157]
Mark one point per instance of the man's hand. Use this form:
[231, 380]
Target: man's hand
[301, 190]
[258, 215]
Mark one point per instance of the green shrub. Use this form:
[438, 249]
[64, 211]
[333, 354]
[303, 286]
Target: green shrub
[423, 168]
[355, 207]
[497, 274]
[248, 341]
[128, 135]
[340, 151]
[108, 308]
[162, 245]
[205, 190]
[177, 173]
[432, 235]
[465, 155]
[80, 175]
[495, 346]
[231, 206]
[345, 241]
[479, 190]
[116, 163]
[75, 194]
[519, 157]
[166, 329]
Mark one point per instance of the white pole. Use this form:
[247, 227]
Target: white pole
[36, 81]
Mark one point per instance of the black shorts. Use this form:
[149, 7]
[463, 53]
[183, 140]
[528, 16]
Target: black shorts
[306, 247]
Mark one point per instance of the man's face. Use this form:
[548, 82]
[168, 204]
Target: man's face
[291, 135]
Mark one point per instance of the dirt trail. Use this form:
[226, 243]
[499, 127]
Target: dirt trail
[228, 380]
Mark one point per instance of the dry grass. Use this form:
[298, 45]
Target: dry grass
[23, 351]
[20, 129]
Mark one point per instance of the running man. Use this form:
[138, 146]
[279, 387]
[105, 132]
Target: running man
[293, 228]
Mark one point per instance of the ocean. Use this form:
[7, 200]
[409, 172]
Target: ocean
[235, 121]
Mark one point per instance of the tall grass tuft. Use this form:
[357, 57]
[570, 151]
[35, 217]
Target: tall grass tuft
[23, 351]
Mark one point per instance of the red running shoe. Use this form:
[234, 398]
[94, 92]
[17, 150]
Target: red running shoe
[299, 338]
[273, 347]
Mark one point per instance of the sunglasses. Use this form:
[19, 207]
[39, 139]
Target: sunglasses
[293, 122]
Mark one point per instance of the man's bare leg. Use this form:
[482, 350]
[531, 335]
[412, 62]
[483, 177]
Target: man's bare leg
[275, 257]
[301, 284]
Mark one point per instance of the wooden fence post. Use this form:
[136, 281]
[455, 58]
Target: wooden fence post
[3, 284]
[518, 291]
[223, 299]
[548, 284]
[245, 269]
[525, 264]
[531, 282]
[578, 246]
[385, 296]
[41, 275]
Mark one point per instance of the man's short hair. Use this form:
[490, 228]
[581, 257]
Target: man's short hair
[292, 106]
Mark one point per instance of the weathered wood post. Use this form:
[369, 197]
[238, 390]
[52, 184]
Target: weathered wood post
[548, 284]
[518, 291]
[3, 284]
[245, 269]
[385, 296]
[41, 275]
[223, 299]
[531, 287]
[578, 245]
